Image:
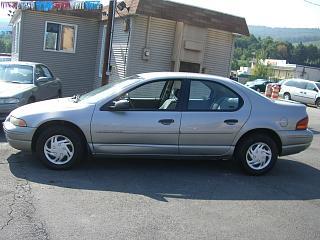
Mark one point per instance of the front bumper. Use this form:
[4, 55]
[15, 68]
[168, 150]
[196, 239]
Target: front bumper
[18, 137]
[295, 141]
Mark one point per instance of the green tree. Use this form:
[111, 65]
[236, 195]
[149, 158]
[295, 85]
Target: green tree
[261, 71]
[247, 48]
[5, 43]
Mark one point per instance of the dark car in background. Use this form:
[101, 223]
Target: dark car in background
[259, 84]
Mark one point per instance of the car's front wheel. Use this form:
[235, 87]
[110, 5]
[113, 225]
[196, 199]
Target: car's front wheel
[318, 103]
[257, 154]
[59, 147]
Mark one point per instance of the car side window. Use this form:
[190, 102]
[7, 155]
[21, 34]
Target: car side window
[39, 72]
[154, 96]
[311, 86]
[148, 91]
[46, 72]
[301, 85]
[199, 91]
[211, 96]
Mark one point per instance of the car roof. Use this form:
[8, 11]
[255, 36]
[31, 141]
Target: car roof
[21, 63]
[180, 75]
[300, 79]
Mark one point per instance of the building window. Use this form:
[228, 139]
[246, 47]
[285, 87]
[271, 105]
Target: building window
[60, 37]
[16, 37]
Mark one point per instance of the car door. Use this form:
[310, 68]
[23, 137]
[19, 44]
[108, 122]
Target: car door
[53, 86]
[214, 115]
[311, 93]
[300, 91]
[145, 127]
[42, 84]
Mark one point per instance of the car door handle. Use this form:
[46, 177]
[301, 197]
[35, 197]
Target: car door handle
[231, 121]
[166, 121]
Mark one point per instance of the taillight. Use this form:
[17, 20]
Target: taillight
[302, 124]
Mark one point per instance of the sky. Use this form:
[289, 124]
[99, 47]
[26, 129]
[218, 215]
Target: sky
[271, 13]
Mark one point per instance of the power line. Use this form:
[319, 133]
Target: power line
[313, 3]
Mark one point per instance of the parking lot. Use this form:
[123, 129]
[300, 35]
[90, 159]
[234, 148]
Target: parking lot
[160, 199]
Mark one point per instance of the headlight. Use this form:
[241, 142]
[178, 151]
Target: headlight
[9, 100]
[18, 122]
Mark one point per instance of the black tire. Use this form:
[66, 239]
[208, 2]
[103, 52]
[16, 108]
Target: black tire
[318, 103]
[78, 146]
[243, 147]
[287, 96]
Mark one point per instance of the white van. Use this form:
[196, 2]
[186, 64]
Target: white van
[301, 90]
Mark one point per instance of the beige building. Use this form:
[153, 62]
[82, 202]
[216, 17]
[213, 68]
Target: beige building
[282, 70]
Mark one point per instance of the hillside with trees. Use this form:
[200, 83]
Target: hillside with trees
[249, 48]
[293, 35]
[5, 42]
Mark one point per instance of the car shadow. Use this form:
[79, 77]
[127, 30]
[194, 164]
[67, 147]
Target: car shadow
[184, 179]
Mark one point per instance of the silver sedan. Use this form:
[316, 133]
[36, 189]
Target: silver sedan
[167, 115]
[25, 82]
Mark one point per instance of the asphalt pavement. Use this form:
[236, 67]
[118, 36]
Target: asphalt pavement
[160, 199]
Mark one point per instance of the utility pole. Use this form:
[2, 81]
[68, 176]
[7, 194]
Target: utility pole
[108, 43]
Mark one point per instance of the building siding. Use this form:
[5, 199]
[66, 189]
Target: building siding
[218, 53]
[161, 41]
[97, 78]
[120, 48]
[76, 70]
[14, 54]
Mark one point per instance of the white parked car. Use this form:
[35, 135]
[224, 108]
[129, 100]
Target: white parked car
[301, 90]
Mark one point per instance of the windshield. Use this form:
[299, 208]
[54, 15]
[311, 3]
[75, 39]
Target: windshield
[108, 89]
[16, 73]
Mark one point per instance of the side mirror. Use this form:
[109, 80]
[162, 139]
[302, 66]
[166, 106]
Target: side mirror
[120, 105]
[316, 90]
[42, 79]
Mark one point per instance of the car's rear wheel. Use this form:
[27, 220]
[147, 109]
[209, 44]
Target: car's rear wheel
[257, 154]
[59, 147]
[287, 96]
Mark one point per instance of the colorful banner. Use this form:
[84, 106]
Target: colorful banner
[51, 5]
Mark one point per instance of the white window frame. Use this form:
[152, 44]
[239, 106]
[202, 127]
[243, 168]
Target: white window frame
[62, 24]
[102, 50]
[16, 45]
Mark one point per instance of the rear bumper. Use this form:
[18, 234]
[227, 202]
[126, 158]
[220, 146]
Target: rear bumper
[19, 137]
[295, 141]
